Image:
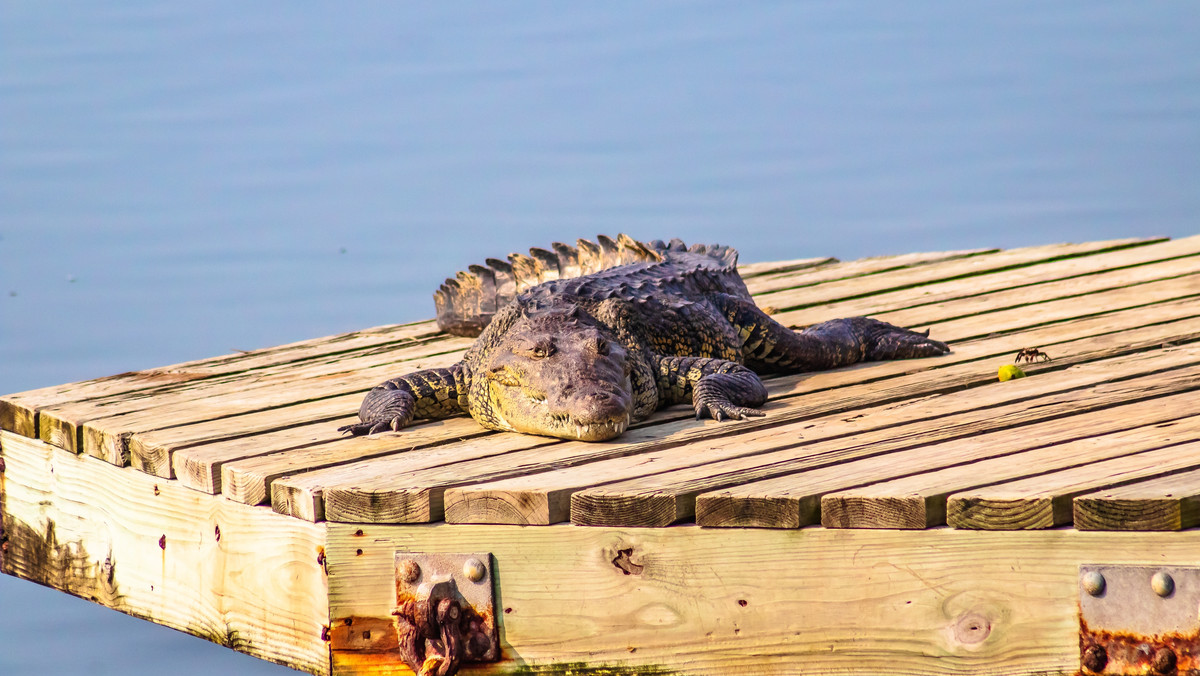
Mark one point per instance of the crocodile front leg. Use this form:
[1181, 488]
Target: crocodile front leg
[769, 345]
[393, 404]
[716, 387]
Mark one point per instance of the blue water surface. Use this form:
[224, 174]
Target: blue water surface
[178, 180]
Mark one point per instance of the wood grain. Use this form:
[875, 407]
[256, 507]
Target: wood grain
[674, 473]
[1170, 502]
[920, 501]
[18, 412]
[969, 276]
[1045, 501]
[242, 577]
[794, 500]
[753, 601]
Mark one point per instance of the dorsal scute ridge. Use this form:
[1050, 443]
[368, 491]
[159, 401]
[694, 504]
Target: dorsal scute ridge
[466, 302]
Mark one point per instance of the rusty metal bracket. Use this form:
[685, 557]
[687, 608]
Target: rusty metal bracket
[1139, 619]
[445, 611]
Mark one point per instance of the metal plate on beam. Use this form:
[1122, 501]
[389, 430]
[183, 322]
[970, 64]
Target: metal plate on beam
[1139, 619]
[466, 577]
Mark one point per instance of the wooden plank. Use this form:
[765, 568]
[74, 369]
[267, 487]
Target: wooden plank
[1169, 502]
[251, 480]
[151, 549]
[920, 501]
[794, 500]
[199, 466]
[18, 412]
[104, 431]
[663, 499]
[994, 272]
[107, 437]
[373, 490]
[659, 487]
[1045, 501]
[755, 270]
[199, 451]
[710, 602]
[1027, 298]
[151, 451]
[836, 270]
[544, 498]
[975, 326]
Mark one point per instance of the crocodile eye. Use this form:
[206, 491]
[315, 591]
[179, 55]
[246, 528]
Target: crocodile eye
[539, 350]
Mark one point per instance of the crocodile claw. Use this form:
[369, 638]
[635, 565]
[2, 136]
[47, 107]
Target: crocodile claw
[373, 427]
[721, 410]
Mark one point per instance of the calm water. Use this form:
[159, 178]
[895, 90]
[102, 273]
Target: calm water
[178, 181]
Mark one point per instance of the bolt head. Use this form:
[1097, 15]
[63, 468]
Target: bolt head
[474, 570]
[410, 571]
[1162, 584]
[1095, 658]
[1164, 661]
[1093, 583]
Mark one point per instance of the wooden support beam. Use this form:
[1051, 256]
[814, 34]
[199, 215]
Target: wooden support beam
[712, 602]
[243, 577]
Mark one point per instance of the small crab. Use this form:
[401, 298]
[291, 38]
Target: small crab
[1031, 354]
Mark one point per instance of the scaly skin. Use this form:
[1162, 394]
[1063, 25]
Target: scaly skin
[585, 357]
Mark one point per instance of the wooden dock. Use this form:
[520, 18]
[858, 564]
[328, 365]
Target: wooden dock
[911, 517]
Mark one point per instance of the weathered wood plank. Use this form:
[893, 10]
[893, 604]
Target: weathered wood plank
[107, 425]
[793, 500]
[200, 466]
[755, 270]
[710, 602]
[101, 428]
[242, 577]
[543, 498]
[919, 501]
[836, 270]
[1027, 298]
[663, 499]
[1045, 501]
[994, 272]
[151, 451]
[18, 412]
[659, 487]
[372, 490]
[204, 458]
[1164, 503]
[975, 326]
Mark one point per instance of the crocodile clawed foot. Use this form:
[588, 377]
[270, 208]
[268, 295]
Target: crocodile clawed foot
[375, 427]
[886, 341]
[723, 410]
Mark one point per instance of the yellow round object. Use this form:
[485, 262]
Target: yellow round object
[1009, 372]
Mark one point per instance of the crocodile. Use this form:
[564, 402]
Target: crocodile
[581, 342]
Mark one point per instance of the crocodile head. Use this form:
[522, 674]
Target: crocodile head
[559, 375]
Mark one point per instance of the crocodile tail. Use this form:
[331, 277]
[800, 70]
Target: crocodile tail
[466, 302]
